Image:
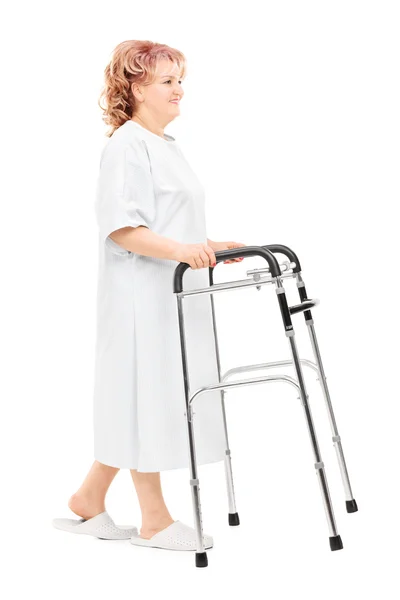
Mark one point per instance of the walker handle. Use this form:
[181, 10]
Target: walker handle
[287, 252]
[221, 255]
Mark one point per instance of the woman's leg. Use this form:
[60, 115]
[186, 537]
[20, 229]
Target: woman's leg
[89, 500]
[155, 514]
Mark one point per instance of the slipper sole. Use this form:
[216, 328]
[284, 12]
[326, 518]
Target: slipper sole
[138, 541]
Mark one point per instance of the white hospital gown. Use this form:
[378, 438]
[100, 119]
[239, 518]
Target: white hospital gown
[139, 400]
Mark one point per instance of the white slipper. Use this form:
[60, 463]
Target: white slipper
[101, 526]
[176, 536]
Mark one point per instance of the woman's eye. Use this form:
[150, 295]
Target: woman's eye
[171, 80]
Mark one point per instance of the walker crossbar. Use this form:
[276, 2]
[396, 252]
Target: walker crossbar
[245, 382]
[290, 269]
[258, 367]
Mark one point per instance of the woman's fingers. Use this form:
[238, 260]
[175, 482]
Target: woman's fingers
[233, 260]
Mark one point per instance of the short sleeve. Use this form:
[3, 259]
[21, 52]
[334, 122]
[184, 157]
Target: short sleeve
[124, 193]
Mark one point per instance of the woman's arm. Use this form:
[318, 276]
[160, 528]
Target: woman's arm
[142, 240]
[146, 242]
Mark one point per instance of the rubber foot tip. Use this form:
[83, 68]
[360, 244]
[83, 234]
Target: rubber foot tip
[234, 519]
[351, 506]
[336, 542]
[201, 559]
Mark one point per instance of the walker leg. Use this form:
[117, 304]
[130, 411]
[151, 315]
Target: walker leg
[351, 504]
[201, 559]
[201, 554]
[233, 516]
[335, 540]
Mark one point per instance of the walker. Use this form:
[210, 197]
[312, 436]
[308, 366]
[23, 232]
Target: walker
[291, 268]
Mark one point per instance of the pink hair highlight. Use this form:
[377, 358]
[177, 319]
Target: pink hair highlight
[132, 61]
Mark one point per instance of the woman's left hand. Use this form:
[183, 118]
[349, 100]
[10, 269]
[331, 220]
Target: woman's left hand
[227, 246]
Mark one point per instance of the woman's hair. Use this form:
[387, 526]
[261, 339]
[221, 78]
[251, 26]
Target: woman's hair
[133, 61]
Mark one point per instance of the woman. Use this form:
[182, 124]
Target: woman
[150, 213]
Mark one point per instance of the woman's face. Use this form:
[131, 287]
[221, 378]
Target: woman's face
[158, 96]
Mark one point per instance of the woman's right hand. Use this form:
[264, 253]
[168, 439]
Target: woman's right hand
[198, 256]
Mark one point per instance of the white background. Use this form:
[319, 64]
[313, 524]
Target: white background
[291, 120]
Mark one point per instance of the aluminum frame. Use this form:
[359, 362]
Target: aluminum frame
[223, 386]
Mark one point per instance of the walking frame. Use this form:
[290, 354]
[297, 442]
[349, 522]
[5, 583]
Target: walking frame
[291, 268]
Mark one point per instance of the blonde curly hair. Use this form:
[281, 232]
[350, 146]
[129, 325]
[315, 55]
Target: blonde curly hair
[132, 61]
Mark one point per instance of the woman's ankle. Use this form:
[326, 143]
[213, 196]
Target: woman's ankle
[150, 528]
[85, 507]
[156, 520]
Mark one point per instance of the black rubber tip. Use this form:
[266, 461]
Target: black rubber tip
[234, 519]
[201, 559]
[336, 542]
[351, 506]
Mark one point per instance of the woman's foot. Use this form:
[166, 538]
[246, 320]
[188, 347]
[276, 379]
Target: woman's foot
[85, 507]
[147, 531]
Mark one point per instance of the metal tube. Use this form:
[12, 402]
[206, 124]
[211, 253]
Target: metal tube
[336, 437]
[222, 287]
[227, 459]
[319, 465]
[244, 382]
[261, 366]
[194, 481]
